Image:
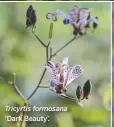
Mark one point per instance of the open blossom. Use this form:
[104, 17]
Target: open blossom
[79, 18]
[62, 75]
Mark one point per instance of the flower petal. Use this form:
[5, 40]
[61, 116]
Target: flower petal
[49, 66]
[75, 72]
[65, 61]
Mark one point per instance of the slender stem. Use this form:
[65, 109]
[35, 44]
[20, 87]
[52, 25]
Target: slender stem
[16, 88]
[47, 54]
[47, 57]
[23, 114]
[38, 84]
[68, 97]
[43, 74]
[65, 45]
[50, 37]
[19, 92]
[64, 95]
[50, 51]
[39, 39]
[47, 51]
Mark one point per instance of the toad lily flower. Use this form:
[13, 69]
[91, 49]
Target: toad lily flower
[79, 18]
[62, 75]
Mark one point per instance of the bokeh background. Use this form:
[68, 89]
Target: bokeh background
[113, 57]
[20, 52]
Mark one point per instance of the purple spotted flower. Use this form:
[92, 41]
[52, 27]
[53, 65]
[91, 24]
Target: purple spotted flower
[79, 18]
[62, 75]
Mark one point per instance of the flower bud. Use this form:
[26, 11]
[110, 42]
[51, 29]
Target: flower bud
[86, 89]
[51, 31]
[79, 93]
[30, 17]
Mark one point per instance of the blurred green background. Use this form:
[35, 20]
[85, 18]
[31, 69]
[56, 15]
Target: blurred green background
[20, 52]
[113, 58]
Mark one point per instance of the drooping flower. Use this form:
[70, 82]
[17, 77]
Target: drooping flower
[79, 18]
[31, 17]
[62, 75]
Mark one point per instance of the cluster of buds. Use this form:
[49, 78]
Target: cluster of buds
[83, 93]
[31, 17]
[79, 18]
